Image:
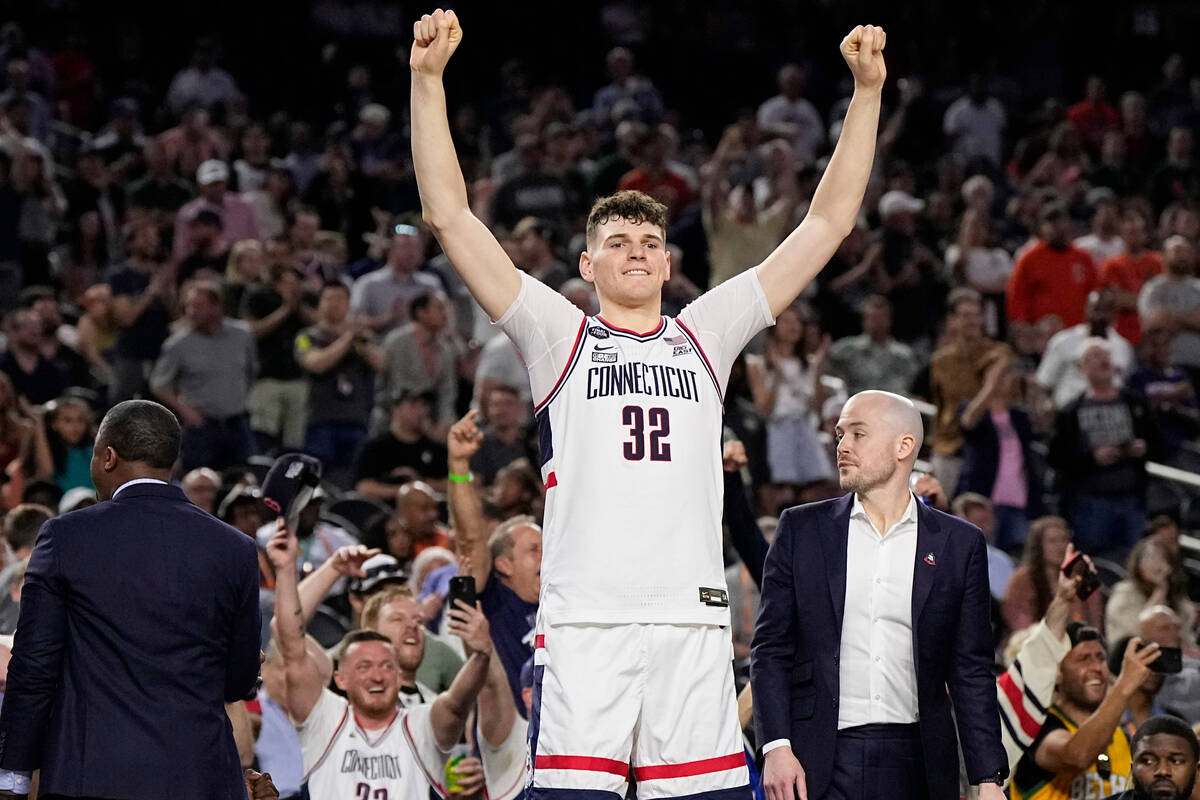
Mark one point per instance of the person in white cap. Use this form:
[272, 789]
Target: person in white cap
[237, 218]
[911, 268]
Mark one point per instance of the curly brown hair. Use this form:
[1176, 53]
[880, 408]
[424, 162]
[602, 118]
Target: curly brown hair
[629, 205]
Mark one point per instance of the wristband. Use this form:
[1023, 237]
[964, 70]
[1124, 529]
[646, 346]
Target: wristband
[460, 478]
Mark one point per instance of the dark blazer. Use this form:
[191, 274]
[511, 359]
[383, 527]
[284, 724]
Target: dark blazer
[139, 620]
[797, 640]
[981, 458]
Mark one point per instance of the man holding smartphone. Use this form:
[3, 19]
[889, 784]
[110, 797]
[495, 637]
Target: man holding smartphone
[1081, 750]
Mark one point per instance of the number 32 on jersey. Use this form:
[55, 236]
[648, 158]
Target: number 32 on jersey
[643, 439]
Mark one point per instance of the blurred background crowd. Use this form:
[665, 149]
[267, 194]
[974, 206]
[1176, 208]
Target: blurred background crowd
[218, 211]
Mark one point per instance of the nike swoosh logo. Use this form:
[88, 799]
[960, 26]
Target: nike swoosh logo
[610, 347]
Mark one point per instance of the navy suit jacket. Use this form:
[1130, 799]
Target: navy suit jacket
[139, 620]
[797, 639]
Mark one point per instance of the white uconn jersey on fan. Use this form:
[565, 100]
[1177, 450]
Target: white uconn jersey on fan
[630, 429]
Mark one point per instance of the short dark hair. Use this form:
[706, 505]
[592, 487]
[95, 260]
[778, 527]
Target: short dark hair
[354, 637]
[1080, 632]
[206, 216]
[1172, 726]
[629, 205]
[142, 431]
[421, 302]
[22, 523]
[1116, 656]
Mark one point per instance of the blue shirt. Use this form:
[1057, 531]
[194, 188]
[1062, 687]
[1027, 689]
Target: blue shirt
[512, 621]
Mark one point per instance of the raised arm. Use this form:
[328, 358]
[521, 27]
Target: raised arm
[346, 562]
[497, 710]
[835, 205]
[301, 671]
[448, 714]
[1064, 751]
[466, 510]
[472, 249]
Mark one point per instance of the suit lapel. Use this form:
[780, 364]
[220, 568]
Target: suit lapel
[931, 540]
[835, 532]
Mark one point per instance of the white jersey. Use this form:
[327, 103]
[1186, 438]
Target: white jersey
[630, 430]
[506, 768]
[342, 761]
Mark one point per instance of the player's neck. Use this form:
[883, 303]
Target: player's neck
[640, 319]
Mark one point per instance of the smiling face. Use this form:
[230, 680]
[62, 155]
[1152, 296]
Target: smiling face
[401, 621]
[1083, 675]
[628, 262]
[369, 675]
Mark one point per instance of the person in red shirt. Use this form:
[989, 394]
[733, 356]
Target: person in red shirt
[1094, 116]
[654, 175]
[1051, 278]
[1127, 273]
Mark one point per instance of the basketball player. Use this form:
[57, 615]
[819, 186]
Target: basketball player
[366, 745]
[632, 652]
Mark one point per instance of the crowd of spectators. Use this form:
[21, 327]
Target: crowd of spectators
[1026, 266]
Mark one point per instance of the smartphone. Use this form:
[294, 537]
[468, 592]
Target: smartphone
[462, 587]
[1169, 661]
[1090, 581]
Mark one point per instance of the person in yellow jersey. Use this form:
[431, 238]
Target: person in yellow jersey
[1081, 752]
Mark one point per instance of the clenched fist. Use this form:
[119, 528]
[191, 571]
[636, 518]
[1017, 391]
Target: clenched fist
[863, 50]
[435, 38]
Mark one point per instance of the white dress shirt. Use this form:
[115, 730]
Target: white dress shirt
[134, 482]
[876, 671]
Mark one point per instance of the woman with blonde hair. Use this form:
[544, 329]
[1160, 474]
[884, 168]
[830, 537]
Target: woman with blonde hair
[245, 269]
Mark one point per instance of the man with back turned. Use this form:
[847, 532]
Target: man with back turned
[139, 620]
[873, 623]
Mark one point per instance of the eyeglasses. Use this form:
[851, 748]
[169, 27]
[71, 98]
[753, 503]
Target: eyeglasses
[1104, 766]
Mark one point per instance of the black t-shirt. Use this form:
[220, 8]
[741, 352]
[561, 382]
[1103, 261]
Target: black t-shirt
[1104, 423]
[44, 384]
[343, 393]
[385, 453]
[276, 350]
[143, 339]
[512, 621]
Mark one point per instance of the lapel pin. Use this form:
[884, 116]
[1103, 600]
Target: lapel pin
[930, 560]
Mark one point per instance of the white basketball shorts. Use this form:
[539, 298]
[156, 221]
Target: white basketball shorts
[656, 700]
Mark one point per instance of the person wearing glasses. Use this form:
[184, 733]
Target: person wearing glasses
[1081, 751]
